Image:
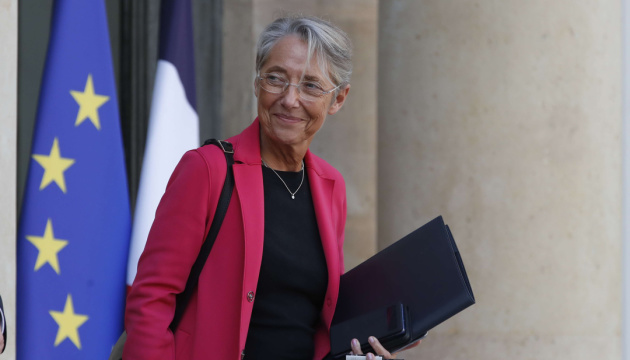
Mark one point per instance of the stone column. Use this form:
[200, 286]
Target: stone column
[348, 139]
[505, 118]
[238, 66]
[8, 156]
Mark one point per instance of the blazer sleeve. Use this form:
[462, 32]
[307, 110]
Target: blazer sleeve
[172, 246]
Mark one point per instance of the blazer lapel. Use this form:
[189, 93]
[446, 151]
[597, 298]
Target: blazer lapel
[322, 193]
[249, 188]
[248, 179]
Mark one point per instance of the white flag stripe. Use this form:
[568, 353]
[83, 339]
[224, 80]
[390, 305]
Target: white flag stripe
[173, 130]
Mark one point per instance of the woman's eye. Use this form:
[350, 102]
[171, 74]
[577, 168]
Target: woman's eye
[311, 86]
[275, 79]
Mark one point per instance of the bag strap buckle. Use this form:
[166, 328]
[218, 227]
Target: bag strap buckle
[226, 146]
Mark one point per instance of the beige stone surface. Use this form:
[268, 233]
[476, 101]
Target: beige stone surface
[348, 139]
[505, 118]
[518, 346]
[238, 66]
[8, 146]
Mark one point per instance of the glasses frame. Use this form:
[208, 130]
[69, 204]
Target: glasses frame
[261, 78]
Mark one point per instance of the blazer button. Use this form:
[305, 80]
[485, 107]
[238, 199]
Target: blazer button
[250, 296]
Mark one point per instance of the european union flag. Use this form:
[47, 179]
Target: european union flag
[74, 230]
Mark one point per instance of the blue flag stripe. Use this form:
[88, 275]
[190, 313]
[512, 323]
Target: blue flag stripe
[176, 43]
[74, 228]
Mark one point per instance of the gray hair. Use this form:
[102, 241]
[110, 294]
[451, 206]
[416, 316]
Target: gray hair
[331, 45]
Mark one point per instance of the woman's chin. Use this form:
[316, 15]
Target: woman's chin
[289, 140]
[283, 134]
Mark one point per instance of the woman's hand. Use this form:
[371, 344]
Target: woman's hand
[376, 345]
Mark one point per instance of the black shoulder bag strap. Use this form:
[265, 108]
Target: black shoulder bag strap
[224, 201]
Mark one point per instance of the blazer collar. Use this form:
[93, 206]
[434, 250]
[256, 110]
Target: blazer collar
[247, 145]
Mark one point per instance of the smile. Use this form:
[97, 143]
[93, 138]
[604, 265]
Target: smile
[288, 118]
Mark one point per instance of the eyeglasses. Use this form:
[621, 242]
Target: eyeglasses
[307, 90]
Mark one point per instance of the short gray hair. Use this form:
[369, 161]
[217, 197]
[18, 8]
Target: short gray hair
[331, 44]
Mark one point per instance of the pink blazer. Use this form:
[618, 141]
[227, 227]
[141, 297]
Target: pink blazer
[216, 320]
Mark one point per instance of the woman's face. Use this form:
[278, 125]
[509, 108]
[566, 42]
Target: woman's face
[285, 118]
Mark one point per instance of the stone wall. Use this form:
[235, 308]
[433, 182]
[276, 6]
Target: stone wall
[505, 118]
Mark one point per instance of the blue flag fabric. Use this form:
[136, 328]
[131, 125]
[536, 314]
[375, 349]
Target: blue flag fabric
[74, 228]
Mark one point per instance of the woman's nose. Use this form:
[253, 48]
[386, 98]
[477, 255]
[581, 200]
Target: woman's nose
[291, 96]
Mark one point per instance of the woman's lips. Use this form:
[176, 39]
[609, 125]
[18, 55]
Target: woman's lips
[288, 118]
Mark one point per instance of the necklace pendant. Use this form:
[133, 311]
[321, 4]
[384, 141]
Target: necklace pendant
[293, 197]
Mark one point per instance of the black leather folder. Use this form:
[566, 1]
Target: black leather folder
[422, 274]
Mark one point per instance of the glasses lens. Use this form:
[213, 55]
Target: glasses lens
[273, 83]
[310, 91]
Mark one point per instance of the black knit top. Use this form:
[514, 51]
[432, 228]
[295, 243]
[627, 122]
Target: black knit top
[293, 274]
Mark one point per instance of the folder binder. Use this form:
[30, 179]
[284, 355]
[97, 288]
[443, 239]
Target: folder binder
[422, 275]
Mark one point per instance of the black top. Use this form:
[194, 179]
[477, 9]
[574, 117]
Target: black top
[293, 274]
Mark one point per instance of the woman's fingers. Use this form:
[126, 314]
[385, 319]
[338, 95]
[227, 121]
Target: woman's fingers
[380, 350]
[356, 347]
[356, 350]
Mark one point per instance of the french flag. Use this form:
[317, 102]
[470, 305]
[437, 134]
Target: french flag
[173, 125]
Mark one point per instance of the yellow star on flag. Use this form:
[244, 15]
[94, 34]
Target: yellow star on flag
[54, 165]
[89, 102]
[48, 248]
[69, 323]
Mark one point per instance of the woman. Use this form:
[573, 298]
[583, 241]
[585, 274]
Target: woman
[269, 287]
[3, 327]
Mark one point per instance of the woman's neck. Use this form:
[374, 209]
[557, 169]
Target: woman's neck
[282, 157]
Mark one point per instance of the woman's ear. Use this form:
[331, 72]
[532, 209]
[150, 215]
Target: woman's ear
[339, 100]
[256, 86]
